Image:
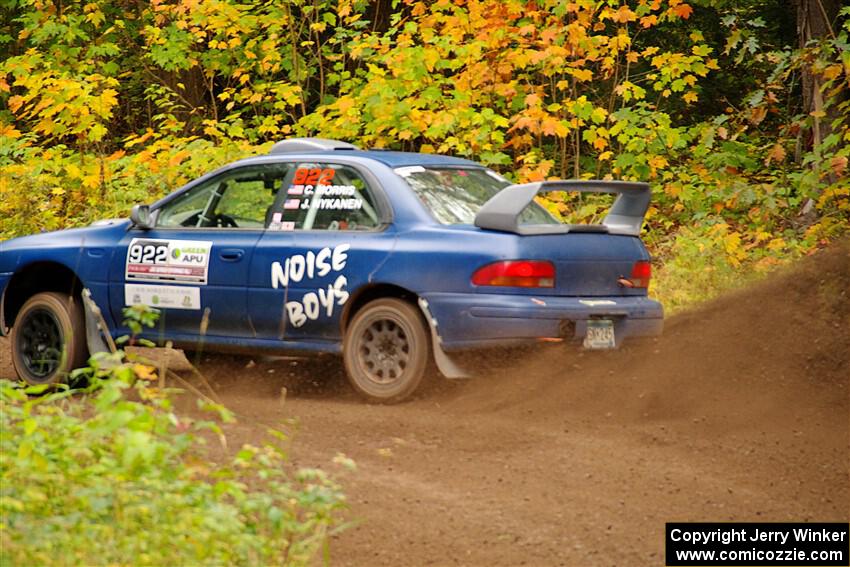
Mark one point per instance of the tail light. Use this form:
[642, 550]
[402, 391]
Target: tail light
[641, 274]
[516, 273]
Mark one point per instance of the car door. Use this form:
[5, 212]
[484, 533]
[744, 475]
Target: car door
[333, 230]
[193, 265]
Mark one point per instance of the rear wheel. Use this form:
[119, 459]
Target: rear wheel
[48, 338]
[386, 350]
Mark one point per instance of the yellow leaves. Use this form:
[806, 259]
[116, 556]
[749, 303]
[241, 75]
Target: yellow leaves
[15, 103]
[757, 114]
[776, 154]
[8, 131]
[431, 57]
[527, 30]
[761, 236]
[548, 35]
[532, 100]
[657, 162]
[683, 11]
[623, 15]
[554, 127]
[701, 50]
[673, 189]
[619, 42]
[93, 14]
[648, 21]
[690, 96]
[345, 103]
[580, 74]
[600, 143]
[46, 126]
[178, 157]
[144, 372]
[376, 71]
[598, 115]
[73, 171]
[629, 91]
[134, 139]
[777, 243]
[732, 245]
[832, 71]
[108, 99]
[837, 163]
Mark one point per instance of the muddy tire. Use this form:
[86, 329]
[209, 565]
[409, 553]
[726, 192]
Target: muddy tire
[49, 338]
[386, 350]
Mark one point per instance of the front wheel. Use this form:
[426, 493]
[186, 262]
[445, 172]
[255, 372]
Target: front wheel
[48, 338]
[386, 350]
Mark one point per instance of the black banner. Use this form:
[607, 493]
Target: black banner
[760, 544]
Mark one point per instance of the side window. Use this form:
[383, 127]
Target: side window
[241, 198]
[328, 196]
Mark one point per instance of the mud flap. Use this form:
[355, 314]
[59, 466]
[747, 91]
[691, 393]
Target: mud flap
[97, 332]
[446, 365]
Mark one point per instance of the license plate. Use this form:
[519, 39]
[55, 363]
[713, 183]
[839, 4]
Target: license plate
[600, 334]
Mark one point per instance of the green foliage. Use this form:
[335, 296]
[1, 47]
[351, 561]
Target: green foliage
[109, 480]
[106, 106]
[111, 475]
[136, 318]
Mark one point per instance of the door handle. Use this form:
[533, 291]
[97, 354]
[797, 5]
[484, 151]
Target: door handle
[231, 254]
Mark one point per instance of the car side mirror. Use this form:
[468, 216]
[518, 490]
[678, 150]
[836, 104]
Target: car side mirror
[140, 216]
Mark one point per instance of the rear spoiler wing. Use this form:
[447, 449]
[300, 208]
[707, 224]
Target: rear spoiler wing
[502, 211]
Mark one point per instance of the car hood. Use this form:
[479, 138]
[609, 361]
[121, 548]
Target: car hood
[102, 233]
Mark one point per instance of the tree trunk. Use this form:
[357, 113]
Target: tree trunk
[815, 21]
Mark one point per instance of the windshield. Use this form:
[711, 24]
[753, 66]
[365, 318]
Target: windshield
[455, 195]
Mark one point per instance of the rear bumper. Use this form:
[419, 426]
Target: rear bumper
[468, 321]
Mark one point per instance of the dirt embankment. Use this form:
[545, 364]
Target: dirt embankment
[741, 411]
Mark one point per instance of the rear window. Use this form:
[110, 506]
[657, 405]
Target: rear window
[455, 195]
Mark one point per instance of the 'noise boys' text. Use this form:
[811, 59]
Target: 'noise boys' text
[308, 266]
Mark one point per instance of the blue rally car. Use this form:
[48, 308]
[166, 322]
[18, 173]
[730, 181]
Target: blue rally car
[390, 259]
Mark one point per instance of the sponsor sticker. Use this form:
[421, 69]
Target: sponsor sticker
[332, 204]
[175, 261]
[313, 176]
[279, 224]
[163, 296]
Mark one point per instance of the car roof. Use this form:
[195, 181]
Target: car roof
[401, 159]
[319, 148]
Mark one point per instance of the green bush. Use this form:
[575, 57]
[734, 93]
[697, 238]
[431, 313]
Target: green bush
[115, 477]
